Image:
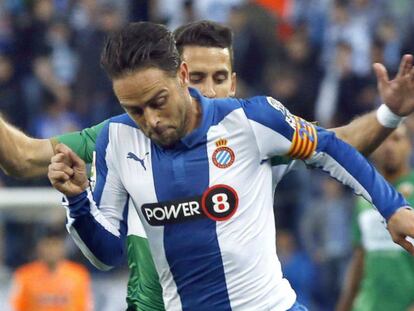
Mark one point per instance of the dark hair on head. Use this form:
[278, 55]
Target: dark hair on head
[52, 232]
[206, 34]
[140, 45]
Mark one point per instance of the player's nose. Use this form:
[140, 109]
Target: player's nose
[151, 118]
[208, 90]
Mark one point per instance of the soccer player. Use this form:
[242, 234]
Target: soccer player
[51, 282]
[207, 49]
[381, 274]
[198, 171]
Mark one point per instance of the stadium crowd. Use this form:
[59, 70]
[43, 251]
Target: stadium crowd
[314, 56]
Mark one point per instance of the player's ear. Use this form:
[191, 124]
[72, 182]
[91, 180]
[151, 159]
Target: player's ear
[183, 75]
[233, 85]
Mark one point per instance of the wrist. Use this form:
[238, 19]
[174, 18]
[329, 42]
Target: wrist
[387, 118]
[76, 198]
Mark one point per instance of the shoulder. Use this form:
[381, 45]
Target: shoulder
[29, 269]
[75, 268]
[224, 106]
[122, 119]
[112, 125]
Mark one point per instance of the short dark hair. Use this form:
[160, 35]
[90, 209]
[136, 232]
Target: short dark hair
[52, 232]
[206, 34]
[140, 45]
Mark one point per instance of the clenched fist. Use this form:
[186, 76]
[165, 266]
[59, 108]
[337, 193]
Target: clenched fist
[67, 172]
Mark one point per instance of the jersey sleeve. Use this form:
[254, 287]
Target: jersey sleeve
[97, 221]
[278, 132]
[83, 142]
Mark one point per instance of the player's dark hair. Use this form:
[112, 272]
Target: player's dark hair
[52, 232]
[206, 34]
[140, 45]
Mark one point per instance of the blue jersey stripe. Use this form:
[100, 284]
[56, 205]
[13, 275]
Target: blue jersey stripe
[101, 146]
[199, 273]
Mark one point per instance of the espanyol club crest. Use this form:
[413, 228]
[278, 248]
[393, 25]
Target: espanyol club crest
[223, 156]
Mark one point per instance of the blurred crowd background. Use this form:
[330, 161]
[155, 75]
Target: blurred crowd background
[314, 56]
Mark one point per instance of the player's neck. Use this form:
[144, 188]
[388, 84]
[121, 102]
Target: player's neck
[194, 115]
[51, 265]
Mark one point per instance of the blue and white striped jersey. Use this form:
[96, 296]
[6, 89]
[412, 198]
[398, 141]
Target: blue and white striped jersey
[207, 204]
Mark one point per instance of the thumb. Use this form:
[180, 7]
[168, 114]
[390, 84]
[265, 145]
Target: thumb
[69, 154]
[62, 148]
[381, 73]
[76, 160]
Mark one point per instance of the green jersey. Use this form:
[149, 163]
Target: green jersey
[144, 289]
[388, 277]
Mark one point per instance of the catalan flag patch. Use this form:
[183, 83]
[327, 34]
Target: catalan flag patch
[305, 140]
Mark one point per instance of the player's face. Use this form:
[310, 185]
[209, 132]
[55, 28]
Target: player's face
[210, 71]
[394, 153]
[51, 250]
[157, 102]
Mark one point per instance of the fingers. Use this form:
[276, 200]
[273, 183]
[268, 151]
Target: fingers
[62, 148]
[61, 158]
[61, 167]
[405, 65]
[58, 177]
[68, 156]
[381, 73]
[406, 245]
[76, 160]
[412, 74]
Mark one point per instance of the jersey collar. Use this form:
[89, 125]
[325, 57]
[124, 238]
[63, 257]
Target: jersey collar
[199, 133]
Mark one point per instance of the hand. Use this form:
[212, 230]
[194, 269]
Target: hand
[67, 172]
[397, 94]
[401, 226]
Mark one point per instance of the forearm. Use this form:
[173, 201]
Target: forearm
[352, 282]
[348, 166]
[364, 133]
[100, 241]
[22, 156]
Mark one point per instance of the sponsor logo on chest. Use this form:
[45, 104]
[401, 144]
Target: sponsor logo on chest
[218, 203]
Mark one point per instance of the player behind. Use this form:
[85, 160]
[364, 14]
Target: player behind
[51, 282]
[207, 175]
[381, 274]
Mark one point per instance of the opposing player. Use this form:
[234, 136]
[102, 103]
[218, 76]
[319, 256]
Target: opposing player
[51, 282]
[381, 274]
[203, 185]
[207, 48]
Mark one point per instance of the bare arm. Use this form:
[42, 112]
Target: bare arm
[23, 156]
[366, 133]
[352, 281]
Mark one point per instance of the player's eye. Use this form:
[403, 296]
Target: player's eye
[135, 111]
[159, 102]
[196, 79]
[220, 79]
